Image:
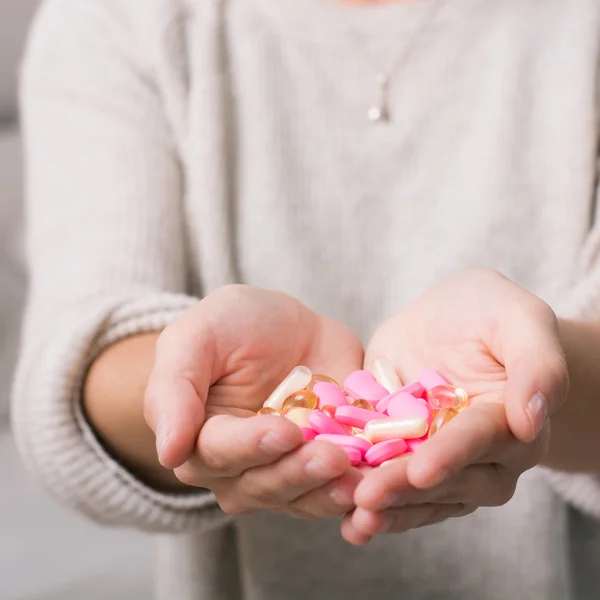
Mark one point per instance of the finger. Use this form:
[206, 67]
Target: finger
[331, 500]
[310, 467]
[536, 368]
[481, 485]
[351, 534]
[478, 433]
[178, 385]
[228, 445]
[399, 520]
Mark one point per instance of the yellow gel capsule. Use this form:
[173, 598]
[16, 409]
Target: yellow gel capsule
[318, 378]
[329, 410]
[299, 416]
[381, 430]
[301, 399]
[365, 404]
[447, 396]
[385, 374]
[443, 417]
[298, 379]
[267, 411]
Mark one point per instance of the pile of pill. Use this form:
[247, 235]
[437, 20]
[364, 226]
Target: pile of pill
[373, 417]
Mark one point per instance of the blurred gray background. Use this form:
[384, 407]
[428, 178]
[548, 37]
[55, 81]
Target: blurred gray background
[46, 552]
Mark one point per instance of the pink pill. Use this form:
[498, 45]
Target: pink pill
[383, 451]
[415, 389]
[414, 444]
[382, 405]
[329, 393]
[354, 455]
[362, 385]
[430, 379]
[354, 416]
[405, 406]
[322, 423]
[308, 434]
[346, 441]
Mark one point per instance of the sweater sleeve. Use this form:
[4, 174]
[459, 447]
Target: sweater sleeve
[106, 251]
[582, 303]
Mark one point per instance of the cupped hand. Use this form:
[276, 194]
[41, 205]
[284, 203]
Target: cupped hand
[214, 368]
[501, 344]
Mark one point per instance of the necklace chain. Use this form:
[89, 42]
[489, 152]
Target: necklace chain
[379, 111]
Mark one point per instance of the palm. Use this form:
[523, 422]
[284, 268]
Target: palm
[253, 354]
[449, 329]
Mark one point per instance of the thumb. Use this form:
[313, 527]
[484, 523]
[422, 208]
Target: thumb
[536, 369]
[175, 398]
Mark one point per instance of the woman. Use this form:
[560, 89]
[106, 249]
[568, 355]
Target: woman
[353, 157]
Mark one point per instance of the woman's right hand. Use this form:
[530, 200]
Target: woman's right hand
[214, 368]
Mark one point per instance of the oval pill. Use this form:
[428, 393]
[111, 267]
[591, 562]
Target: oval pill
[412, 445]
[299, 416]
[415, 389]
[318, 378]
[447, 396]
[300, 399]
[365, 404]
[355, 417]
[385, 374]
[297, 380]
[405, 406]
[381, 430]
[267, 411]
[354, 455]
[322, 423]
[362, 385]
[330, 393]
[443, 417]
[351, 441]
[432, 378]
[383, 451]
[308, 434]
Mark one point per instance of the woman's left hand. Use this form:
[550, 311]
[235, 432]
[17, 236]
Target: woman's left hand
[501, 344]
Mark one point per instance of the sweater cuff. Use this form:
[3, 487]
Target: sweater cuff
[58, 443]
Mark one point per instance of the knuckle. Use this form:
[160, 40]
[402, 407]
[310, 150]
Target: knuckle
[261, 494]
[214, 462]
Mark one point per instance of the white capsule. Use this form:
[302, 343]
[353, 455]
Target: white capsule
[381, 430]
[385, 375]
[297, 380]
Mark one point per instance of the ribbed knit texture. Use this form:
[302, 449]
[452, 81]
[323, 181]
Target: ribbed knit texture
[176, 146]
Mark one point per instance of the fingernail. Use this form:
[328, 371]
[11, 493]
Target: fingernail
[341, 497]
[273, 443]
[315, 467]
[537, 409]
[162, 437]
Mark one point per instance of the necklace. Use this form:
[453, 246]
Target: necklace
[379, 111]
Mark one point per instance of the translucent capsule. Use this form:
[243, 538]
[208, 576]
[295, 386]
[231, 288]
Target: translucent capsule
[267, 411]
[318, 378]
[364, 404]
[299, 416]
[298, 379]
[329, 410]
[301, 399]
[443, 417]
[447, 396]
[386, 375]
[380, 430]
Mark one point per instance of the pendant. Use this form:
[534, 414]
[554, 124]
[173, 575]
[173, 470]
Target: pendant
[379, 112]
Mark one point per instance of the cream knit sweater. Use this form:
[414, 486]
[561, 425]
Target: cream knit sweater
[173, 147]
